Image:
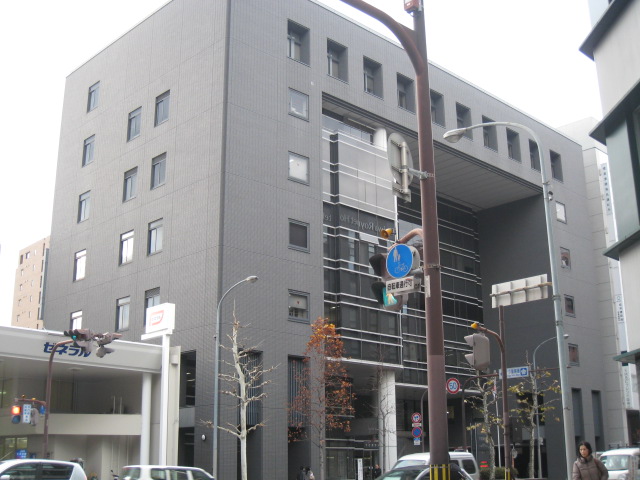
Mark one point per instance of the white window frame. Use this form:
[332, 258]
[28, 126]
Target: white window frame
[298, 104]
[134, 124]
[155, 237]
[158, 171]
[298, 299]
[80, 265]
[84, 206]
[162, 108]
[123, 311]
[88, 150]
[298, 168]
[126, 247]
[93, 97]
[130, 185]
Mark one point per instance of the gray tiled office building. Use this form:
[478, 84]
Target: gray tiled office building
[218, 140]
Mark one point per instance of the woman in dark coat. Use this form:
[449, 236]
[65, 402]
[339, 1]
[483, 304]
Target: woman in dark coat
[586, 467]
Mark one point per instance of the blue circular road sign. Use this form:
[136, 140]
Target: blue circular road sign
[399, 261]
[416, 432]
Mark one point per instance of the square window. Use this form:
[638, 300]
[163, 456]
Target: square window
[133, 129]
[556, 165]
[569, 306]
[561, 212]
[298, 235]
[337, 60]
[513, 145]
[93, 97]
[489, 135]
[126, 247]
[298, 104]
[84, 206]
[122, 313]
[437, 108]
[88, 150]
[565, 258]
[406, 93]
[298, 306]
[463, 119]
[76, 320]
[574, 354]
[155, 237]
[158, 170]
[162, 108]
[372, 71]
[298, 168]
[298, 42]
[151, 299]
[79, 266]
[130, 187]
[534, 154]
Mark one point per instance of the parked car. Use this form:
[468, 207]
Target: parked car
[40, 469]
[413, 472]
[163, 472]
[622, 463]
[465, 460]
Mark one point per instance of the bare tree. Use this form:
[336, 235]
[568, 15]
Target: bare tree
[488, 398]
[323, 399]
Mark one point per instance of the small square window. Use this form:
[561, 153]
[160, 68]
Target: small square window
[337, 60]
[93, 97]
[133, 129]
[88, 150]
[298, 104]
[534, 154]
[372, 71]
[298, 42]
[298, 306]
[122, 314]
[79, 266]
[513, 145]
[130, 187]
[76, 320]
[84, 206]
[574, 354]
[155, 237]
[298, 168]
[561, 212]
[565, 258]
[463, 119]
[556, 165]
[298, 235]
[569, 306]
[489, 135]
[126, 247]
[162, 108]
[437, 108]
[158, 170]
[406, 93]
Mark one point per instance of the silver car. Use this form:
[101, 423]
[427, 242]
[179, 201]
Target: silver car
[40, 469]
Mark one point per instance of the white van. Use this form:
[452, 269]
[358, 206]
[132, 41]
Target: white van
[465, 459]
[622, 463]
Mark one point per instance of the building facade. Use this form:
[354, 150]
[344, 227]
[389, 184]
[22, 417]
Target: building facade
[218, 140]
[29, 289]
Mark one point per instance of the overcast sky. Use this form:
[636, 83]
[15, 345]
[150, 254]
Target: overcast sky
[522, 51]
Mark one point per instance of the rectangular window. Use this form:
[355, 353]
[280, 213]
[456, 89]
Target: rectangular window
[79, 266]
[574, 354]
[76, 320]
[298, 104]
[336, 60]
[84, 206]
[151, 299]
[298, 306]
[372, 71]
[298, 42]
[556, 165]
[122, 314]
[565, 258]
[162, 108]
[88, 150]
[155, 237]
[463, 119]
[437, 108]
[126, 247]
[561, 212]
[489, 135]
[297, 380]
[158, 170]
[406, 93]
[130, 187]
[298, 168]
[513, 145]
[569, 306]
[298, 235]
[534, 154]
[133, 129]
[93, 97]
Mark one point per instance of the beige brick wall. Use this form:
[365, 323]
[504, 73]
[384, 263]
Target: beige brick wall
[27, 296]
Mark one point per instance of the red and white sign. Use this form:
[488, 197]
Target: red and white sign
[416, 418]
[453, 386]
[160, 320]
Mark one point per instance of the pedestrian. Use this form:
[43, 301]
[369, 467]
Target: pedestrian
[377, 471]
[586, 466]
[310, 475]
[301, 474]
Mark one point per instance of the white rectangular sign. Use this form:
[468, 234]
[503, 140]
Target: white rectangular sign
[405, 284]
[160, 320]
[516, 372]
[520, 291]
[26, 413]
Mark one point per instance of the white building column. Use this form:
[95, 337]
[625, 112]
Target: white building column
[380, 138]
[387, 419]
[145, 410]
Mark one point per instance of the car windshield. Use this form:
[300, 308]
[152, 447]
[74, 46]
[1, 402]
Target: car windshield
[615, 462]
[409, 463]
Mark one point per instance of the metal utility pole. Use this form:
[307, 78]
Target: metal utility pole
[415, 45]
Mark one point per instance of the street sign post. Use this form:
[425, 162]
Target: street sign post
[516, 372]
[400, 260]
[403, 285]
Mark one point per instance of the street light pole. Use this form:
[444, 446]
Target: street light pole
[216, 372]
[415, 45]
[569, 441]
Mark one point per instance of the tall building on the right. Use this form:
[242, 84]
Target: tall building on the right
[614, 46]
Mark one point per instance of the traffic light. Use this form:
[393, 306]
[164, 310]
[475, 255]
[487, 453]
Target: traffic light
[379, 288]
[480, 358]
[16, 414]
[105, 339]
[82, 338]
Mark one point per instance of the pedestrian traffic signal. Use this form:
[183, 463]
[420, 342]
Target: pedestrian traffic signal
[103, 339]
[379, 288]
[82, 338]
[480, 358]
[16, 414]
